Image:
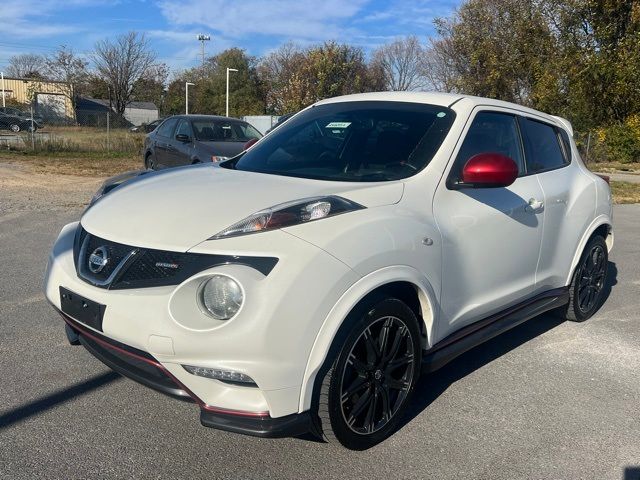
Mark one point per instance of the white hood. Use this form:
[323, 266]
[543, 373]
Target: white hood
[177, 209]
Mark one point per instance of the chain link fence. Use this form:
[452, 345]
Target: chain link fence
[89, 131]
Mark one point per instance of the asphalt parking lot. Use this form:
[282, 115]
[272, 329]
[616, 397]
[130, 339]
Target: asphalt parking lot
[546, 400]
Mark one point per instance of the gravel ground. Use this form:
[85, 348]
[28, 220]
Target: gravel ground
[23, 190]
[546, 400]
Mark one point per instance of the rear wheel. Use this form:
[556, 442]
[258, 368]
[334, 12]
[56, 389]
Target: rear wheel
[586, 292]
[368, 386]
[14, 127]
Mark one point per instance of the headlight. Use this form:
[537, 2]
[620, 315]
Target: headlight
[219, 158]
[289, 214]
[221, 297]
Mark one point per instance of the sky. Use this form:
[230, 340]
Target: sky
[171, 26]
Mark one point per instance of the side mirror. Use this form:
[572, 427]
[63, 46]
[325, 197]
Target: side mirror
[489, 170]
[181, 137]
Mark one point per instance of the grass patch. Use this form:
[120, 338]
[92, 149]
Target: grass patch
[88, 164]
[625, 192]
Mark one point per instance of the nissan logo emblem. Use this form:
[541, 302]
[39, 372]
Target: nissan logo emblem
[98, 259]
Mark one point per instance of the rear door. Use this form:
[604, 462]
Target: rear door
[491, 236]
[568, 207]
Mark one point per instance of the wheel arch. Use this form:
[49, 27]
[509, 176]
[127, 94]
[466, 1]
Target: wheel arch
[402, 282]
[601, 225]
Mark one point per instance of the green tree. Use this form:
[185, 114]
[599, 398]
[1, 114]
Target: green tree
[208, 95]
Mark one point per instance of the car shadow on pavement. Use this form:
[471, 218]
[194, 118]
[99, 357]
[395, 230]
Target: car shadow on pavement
[50, 401]
[431, 386]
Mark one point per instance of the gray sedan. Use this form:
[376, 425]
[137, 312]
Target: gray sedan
[189, 139]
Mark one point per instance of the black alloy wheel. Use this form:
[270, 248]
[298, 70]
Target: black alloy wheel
[369, 384]
[586, 291]
[591, 278]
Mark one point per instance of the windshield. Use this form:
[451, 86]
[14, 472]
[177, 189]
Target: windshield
[223, 131]
[352, 141]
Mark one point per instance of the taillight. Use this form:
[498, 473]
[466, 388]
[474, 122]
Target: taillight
[249, 143]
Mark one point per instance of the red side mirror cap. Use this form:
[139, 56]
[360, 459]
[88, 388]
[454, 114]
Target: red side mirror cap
[250, 143]
[487, 170]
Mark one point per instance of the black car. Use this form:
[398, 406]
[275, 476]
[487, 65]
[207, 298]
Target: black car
[147, 127]
[16, 112]
[17, 124]
[189, 139]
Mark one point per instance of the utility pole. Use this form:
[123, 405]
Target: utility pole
[2, 75]
[203, 38]
[229, 70]
[186, 97]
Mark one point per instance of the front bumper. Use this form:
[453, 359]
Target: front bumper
[269, 340]
[145, 369]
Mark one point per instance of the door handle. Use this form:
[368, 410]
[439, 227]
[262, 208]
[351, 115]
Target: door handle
[534, 205]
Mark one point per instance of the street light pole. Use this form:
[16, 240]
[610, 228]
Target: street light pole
[186, 97]
[229, 70]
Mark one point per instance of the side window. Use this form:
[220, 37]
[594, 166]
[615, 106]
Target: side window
[543, 146]
[167, 127]
[184, 128]
[490, 132]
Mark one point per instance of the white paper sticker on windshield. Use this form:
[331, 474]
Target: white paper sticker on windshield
[338, 125]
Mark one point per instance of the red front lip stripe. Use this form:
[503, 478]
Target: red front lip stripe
[158, 365]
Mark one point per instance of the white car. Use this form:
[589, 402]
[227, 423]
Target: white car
[305, 284]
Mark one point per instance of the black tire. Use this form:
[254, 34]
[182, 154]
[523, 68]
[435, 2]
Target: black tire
[148, 162]
[586, 292]
[15, 128]
[378, 363]
[72, 335]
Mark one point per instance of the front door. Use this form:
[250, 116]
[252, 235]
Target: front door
[491, 237]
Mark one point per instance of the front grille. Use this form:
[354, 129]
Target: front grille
[137, 267]
[117, 253]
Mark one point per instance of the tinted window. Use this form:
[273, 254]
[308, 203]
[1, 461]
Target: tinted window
[490, 132]
[221, 131]
[352, 141]
[167, 127]
[543, 146]
[184, 128]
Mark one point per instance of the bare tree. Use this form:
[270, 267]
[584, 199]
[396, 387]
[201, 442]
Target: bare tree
[438, 69]
[26, 65]
[121, 64]
[65, 66]
[401, 63]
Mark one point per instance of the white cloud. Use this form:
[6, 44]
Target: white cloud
[303, 19]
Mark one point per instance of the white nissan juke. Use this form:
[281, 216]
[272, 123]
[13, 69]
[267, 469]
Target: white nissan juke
[305, 284]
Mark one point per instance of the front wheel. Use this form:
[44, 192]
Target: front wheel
[149, 163]
[14, 127]
[586, 292]
[367, 388]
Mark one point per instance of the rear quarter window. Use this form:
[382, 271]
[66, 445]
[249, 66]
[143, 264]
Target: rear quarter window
[542, 144]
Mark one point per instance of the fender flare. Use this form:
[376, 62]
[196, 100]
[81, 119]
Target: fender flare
[348, 300]
[600, 220]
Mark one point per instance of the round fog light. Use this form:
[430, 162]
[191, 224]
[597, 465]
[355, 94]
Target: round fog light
[221, 296]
